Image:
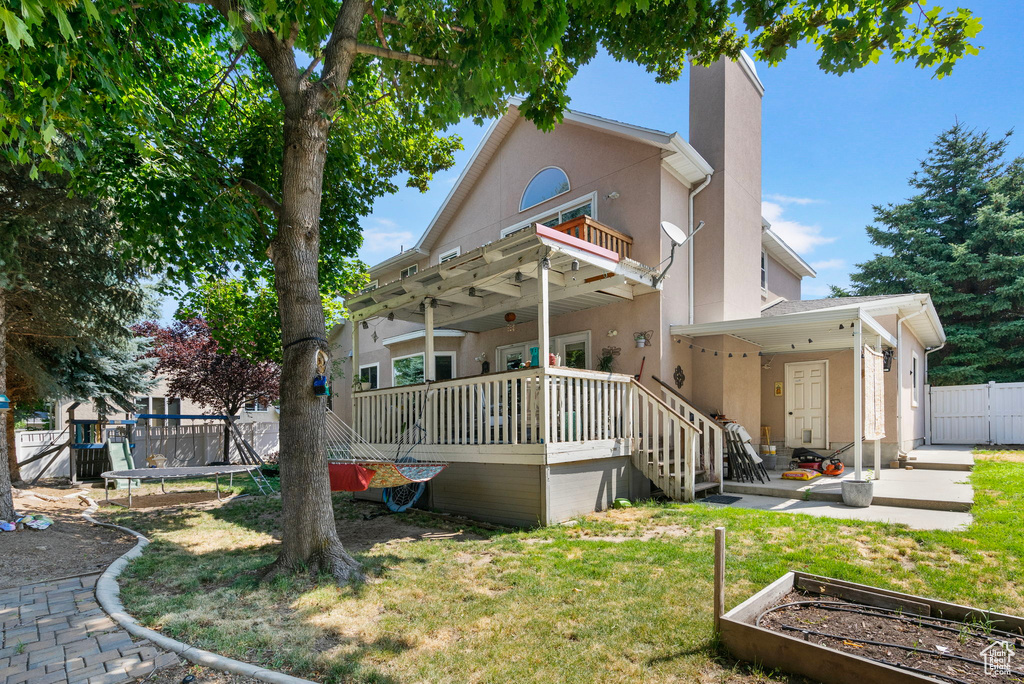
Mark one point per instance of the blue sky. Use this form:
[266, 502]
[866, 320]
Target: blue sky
[833, 145]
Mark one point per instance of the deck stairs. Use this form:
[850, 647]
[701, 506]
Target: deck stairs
[670, 446]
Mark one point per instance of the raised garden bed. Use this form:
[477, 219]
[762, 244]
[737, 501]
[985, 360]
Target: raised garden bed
[846, 633]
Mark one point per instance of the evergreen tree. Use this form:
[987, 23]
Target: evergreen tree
[67, 298]
[960, 239]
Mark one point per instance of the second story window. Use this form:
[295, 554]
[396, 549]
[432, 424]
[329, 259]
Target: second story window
[412, 270]
[764, 270]
[548, 183]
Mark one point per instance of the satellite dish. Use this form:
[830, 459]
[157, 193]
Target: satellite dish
[674, 232]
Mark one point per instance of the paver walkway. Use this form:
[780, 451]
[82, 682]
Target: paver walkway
[56, 632]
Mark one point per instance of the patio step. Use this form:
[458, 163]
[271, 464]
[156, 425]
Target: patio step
[704, 486]
[809, 494]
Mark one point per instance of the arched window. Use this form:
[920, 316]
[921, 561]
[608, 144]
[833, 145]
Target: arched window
[548, 183]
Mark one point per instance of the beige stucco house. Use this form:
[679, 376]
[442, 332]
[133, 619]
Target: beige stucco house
[551, 243]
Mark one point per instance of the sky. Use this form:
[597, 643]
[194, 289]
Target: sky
[833, 146]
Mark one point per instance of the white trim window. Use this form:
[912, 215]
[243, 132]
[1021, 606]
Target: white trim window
[764, 270]
[369, 373]
[449, 255]
[915, 384]
[408, 369]
[546, 184]
[586, 204]
[256, 407]
[410, 271]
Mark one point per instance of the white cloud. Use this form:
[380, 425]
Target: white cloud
[828, 265]
[786, 199]
[384, 238]
[799, 236]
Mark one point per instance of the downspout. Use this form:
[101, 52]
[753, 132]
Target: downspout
[689, 231]
[927, 418]
[899, 378]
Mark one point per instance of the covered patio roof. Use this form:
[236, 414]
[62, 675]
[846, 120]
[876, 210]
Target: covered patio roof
[826, 330]
[475, 291]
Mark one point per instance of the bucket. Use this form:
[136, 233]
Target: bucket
[769, 457]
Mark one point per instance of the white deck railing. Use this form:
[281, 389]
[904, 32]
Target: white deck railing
[499, 408]
[666, 444]
[712, 439]
[541, 406]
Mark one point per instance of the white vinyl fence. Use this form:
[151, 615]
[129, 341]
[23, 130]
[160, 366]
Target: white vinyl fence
[977, 414]
[182, 445]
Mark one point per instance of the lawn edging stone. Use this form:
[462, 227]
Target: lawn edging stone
[108, 596]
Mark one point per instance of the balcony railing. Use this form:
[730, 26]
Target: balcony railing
[586, 228]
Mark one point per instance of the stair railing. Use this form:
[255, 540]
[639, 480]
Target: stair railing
[665, 443]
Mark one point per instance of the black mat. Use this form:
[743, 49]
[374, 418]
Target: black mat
[720, 499]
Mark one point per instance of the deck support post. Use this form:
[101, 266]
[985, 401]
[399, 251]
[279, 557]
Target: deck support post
[858, 401]
[543, 346]
[428, 343]
[355, 371]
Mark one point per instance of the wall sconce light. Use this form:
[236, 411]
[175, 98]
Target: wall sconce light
[613, 333]
[366, 325]
[612, 195]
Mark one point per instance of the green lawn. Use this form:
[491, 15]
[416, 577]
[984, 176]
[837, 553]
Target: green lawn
[622, 597]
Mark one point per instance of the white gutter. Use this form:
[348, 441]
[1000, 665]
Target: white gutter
[899, 377]
[689, 265]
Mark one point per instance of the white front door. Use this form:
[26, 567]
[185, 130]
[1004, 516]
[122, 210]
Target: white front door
[806, 404]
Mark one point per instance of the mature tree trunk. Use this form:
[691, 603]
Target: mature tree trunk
[12, 451]
[310, 537]
[6, 499]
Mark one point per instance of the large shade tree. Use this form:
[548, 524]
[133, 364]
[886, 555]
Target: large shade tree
[315, 76]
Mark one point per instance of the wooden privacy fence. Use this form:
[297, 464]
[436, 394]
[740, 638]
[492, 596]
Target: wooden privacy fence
[977, 414]
[181, 445]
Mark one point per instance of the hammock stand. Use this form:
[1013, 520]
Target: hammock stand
[355, 465]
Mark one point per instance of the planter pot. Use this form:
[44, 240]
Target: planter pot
[770, 461]
[858, 493]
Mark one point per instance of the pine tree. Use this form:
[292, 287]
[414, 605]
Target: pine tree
[960, 239]
[68, 295]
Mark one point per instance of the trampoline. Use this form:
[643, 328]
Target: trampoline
[184, 473]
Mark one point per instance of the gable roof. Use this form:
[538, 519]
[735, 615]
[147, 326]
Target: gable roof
[679, 158]
[783, 253]
[798, 305]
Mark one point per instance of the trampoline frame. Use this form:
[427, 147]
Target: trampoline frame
[162, 474]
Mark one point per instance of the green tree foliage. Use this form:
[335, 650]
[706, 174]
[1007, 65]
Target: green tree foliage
[268, 159]
[66, 300]
[960, 239]
[244, 317]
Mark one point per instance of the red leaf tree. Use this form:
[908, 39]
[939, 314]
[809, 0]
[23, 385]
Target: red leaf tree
[197, 368]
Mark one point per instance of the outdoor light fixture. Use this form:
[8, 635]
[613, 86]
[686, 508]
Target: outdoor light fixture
[612, 195]
[887, 355]
[575, 265]
[366, 325]
[5, 403]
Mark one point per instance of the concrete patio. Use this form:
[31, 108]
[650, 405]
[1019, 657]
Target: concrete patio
[937, 482]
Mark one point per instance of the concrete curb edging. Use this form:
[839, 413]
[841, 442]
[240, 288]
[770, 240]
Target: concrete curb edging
[108, 596]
